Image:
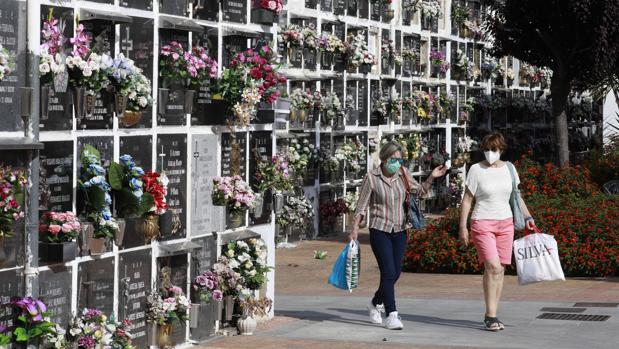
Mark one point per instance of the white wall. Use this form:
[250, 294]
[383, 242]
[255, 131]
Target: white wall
[611, 116]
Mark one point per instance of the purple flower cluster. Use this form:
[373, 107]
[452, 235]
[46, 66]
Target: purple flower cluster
[191, 67]
[86, 342]
[90, 314]
[81, 42]
[207, 284]
[233, 192]
[53, 40]
[437, 58]
[32, 308]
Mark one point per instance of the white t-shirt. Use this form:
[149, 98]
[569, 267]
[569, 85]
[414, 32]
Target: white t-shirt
[492, 188]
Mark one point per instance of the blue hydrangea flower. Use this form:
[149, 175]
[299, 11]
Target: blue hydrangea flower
[96, 170]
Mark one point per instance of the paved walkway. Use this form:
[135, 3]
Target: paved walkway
[438, 310]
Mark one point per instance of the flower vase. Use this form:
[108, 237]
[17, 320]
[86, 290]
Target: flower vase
[365, 68]
[388, 14]
[120, 234]
[150, 227]
[89, 244]
[258, 208]
[292, 52]
[44, 102]
[283, 103]
[61, 81]
[189, 101]
[78, 101]
[90, 100]
[120, 104]
[327, 59]
[309, 55]
[278, 202]
[56, 252]
[164, 336]
[130, 118]
[235, 219]
[162, 100]
[228, 308]
[247, 325]
[262, 16]
[293, 117]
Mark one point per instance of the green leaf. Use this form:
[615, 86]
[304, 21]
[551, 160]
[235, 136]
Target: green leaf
[96, 196]
[115, 176]
[89, 149]
[146, 203]
[20, 334]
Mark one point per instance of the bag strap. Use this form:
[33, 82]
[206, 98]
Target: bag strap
[510, 166]
[407, 185]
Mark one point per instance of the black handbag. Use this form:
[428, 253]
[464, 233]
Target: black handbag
[413, 214]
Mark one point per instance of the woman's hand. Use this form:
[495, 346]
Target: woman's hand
[530, 224]
[354, 233]
[464, 236]
[439, 171]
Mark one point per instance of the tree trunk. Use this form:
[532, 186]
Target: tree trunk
[560, 90]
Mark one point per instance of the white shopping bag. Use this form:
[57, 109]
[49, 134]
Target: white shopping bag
[537, 259]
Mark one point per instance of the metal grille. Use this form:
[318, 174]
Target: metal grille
[597, 305]
[574, 317]
[563, 310]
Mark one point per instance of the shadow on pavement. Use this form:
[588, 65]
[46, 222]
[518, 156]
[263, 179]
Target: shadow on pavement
[422, 319]
[319, 317]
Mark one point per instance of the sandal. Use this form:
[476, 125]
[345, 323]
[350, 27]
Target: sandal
[501, 324]
[492, 324]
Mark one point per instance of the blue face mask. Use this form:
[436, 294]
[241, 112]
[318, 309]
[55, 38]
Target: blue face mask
[393, 165]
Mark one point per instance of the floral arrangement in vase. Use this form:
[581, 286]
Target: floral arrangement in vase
[168, 306]
[425, 104]
[302, 99]
[466, 109]
[94, 184]
[233, 192]
[459, 13]
[126, 182]
[465, 144]
[58, 227]
[357, 52]
[300, 155]
[330, 43]
[437, 59]
[155, 184]
[291, 35]
[207, 287]
[488, 67]
[388, 51]
[52, 57]
[389, 106]
[331, 107]
[328, 162]
[332, 209]
[249, 259]
[187, 68]
[351, 153]
[431, 9]
[310, 37]
[297, 212]
[409, 55]
[543, 76]
[476, 32]
[351, 199]
[231, 283]
[463, 67]
[252, 306]
[32, 321]
[527, 73]
[6, 62]
[12, 189]
[90, 330]
[133, 88]
[411, 5]
[87, 69]
[273, 174]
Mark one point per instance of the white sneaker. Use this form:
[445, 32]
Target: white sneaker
[393, 321]
[375, 316]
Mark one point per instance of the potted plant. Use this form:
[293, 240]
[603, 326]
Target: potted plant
[52, 68]
[31, 323]
[231, 283]
[266, 11]
[438, 63]
[431, 10]
[58, 233]
[329, 45]
[297, 212]
[99, 227]
[88, 73]
[234, 193]
[331, 109]
[132, 91]
[252, 307]
[186, 70]
[357, 53]
[12, 192]
[165, 309]
[292, 38]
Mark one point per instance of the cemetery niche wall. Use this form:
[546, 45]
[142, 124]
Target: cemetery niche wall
[137, 160]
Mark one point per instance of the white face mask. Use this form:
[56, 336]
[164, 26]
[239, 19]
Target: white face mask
[492, 156]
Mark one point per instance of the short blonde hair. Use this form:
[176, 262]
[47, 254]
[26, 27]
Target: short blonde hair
[494, 141]
[387, 150]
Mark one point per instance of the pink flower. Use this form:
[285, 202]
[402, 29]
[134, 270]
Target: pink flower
[67, 228]
[175, 56]
[54, 229]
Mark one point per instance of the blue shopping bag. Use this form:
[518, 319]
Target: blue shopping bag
[345, 273]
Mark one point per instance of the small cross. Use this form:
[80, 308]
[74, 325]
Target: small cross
[162, 155]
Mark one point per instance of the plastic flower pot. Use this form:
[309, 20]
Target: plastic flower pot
[365, 68]
[327, 59]
[44, 102]
[234, 219]
[388, 14]
[51, 252]
[263, 16]
[78, 101]
[162, 100]
[130, 118]
[120, 104]
[189, 101]
[120, 234]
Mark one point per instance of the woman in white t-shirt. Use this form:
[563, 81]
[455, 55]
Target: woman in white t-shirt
[492, 225]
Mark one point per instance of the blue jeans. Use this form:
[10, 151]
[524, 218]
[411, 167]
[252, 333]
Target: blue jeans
[389, 252]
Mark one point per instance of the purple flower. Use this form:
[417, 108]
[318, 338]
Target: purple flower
[86, 342]
[34, 307]
[218, 295]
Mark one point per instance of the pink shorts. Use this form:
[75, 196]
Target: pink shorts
[493, 239]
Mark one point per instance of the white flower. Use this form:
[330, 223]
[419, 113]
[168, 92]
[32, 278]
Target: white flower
[87, 71]
[230, 253]
[44, 68]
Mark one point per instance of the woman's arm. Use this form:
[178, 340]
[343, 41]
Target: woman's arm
[465, 209]
[362, 206]
[528, 218]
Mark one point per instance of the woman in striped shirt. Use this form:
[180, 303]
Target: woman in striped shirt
[383, 192]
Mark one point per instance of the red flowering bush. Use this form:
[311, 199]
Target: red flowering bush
[565, 202]
[604, 164]
[332, 209]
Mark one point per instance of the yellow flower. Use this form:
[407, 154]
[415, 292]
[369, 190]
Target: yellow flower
[421, 113]
[103, 318]
[98, 334]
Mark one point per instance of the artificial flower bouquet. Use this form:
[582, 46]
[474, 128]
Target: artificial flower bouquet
[155, 184]
[273, 174]
[437, 59]
[87, 68]
[331, 108]
[32, 321]
[231, 283]
[206, 285]
[302, 99]
[96, 188]
[128, 188]
[12, 189]
[291, 35]
[6, 62]
[90, 330]
[187, 68]
[351, 153]
[59, 227]
[330, 43]
[129, 82]
[357, 52]
[297, 212]
[248, 259]
[234, 193]
[169, 306]
[52, 56]
[275, 6]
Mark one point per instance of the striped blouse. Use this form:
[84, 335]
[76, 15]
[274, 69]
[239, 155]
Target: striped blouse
[385, 198]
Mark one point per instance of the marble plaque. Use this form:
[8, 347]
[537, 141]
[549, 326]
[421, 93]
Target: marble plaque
[138, 4]
[10, 286]
[234, 10]
[95, 282]
[173, 7]
[55, 291]
[140, 148]
[172, 159]
[205, 217]
[56, 177]
[12, 19]
[134, 270]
